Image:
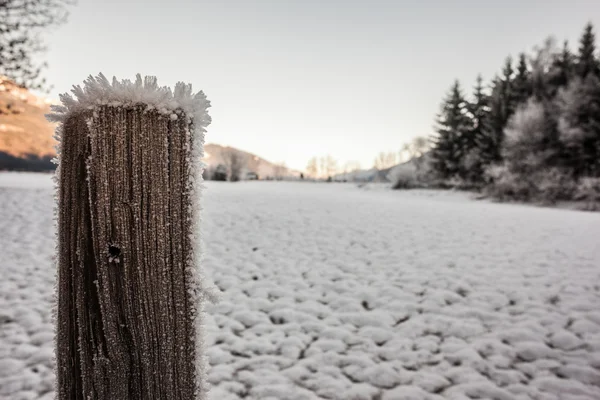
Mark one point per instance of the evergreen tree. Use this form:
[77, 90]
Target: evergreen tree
[507, 89]
[508, 72]
[501, 107]
[562, 70]
[490, 142]
[478, 109]
[522, 88]
[453, 124]
[587, 63]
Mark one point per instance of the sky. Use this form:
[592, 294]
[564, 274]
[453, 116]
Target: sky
[292, 79]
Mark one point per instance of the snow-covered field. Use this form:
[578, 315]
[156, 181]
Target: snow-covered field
[336, 292]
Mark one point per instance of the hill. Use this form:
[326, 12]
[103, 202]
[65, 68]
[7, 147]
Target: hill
[26, 137]
[216, 154]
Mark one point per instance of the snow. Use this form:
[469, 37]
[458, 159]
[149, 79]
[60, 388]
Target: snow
[335, 292]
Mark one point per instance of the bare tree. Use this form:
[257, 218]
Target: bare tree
[235, 162]
[351, 166]
[385, 160]
[312, 168]
[322, 167]
[331, 166]
[21, 22]
[415, 148]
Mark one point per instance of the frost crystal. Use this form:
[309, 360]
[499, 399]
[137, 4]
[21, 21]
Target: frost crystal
[99, 91]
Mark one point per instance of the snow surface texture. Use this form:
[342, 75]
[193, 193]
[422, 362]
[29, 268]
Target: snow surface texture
[333, 292]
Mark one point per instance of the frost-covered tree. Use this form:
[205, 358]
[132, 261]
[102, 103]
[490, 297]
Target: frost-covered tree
[529, 170]
[538, 129]
[541, 65]
[526, 145]
[453, 124]
[579, 125]
[587, 60]
[130, 294]
[21, 23]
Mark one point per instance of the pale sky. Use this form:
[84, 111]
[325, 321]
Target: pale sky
[291, 79]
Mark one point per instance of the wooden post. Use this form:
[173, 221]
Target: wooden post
[129, 296]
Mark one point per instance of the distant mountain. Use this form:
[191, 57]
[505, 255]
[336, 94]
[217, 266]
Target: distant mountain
[216, 154]
[26, 141]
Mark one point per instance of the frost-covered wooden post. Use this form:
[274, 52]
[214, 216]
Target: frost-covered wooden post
[129, 295]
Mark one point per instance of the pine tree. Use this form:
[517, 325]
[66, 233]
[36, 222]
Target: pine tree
[501, 107]
[507, 89]
[478, 109]
[490, 142]
[507, 73]
[587, 63]
[522, 87]
[562, 70]
[453, 125]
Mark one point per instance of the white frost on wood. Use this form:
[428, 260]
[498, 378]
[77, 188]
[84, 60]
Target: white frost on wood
[98, 90]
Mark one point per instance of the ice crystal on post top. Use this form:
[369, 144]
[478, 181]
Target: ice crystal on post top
[99, 90]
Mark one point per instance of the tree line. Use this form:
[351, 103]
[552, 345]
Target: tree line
[327, 167]
[533, 133]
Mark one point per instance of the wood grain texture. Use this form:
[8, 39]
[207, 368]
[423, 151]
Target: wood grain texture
[125, 323]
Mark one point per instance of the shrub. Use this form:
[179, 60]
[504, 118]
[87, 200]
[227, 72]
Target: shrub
[506, 185]
[588, 191]
[405, 179]
[554, 185]
[546, 186]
